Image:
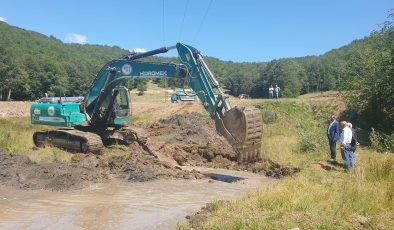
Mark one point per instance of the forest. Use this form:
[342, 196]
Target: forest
[32, 64]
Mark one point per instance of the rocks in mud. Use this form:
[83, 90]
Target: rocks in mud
[146, 174]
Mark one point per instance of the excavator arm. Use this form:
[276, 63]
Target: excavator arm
[241, 126]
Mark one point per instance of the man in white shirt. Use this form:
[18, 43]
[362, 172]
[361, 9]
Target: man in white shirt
[345, 140]
[271, 92]
[353, 144]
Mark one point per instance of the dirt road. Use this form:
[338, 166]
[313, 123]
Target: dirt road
[158, 204]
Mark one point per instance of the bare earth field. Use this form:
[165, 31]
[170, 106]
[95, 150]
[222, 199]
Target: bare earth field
[15, 109]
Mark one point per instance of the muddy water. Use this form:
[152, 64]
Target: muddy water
[157, 204]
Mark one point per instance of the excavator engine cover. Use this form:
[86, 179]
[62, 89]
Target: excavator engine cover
[242, 127]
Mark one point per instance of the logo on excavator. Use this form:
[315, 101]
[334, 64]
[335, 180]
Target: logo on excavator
[126, 69]
[51, 110]
[153, 74]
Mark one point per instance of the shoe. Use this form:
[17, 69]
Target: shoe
[333, 160]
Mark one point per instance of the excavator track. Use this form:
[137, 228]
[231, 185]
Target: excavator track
[242, 127]
[69, 139]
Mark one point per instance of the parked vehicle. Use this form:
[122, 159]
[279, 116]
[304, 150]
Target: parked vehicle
[181, 95]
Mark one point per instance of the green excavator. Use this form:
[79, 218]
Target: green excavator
[103, 117]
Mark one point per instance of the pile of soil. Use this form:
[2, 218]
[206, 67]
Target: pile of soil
[85, 169]
[20, 172]
[191, 140]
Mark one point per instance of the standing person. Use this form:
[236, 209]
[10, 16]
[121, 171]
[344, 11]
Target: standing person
[333, 136]
[271, 92]
[353, 144]
[277, 90]
[353, 115]
[346, 139]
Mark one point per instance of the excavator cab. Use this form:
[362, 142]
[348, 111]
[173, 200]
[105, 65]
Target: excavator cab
[122, 107]
[115, 110]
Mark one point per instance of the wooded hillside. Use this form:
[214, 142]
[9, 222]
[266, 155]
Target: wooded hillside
[32, 64]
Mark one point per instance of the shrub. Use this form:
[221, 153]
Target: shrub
[312, 141]
[381, 142]
[269, 116]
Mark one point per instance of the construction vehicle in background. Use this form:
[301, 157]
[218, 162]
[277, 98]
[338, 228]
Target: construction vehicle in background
[104, 116]
[183, 95]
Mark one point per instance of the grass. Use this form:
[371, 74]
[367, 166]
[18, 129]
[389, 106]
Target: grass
[315, 198]
[16, 137]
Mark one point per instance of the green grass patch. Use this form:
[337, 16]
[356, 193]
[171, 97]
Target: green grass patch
[16, 137]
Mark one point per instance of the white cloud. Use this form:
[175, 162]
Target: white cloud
[2, 19]
[75, 38]
[138, 50]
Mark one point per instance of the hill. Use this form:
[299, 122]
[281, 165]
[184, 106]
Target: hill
[32, 64]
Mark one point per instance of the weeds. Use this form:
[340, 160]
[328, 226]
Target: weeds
[381, 142]
[313, 141]
[16, 136]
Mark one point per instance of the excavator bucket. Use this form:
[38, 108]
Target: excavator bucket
[242, 127]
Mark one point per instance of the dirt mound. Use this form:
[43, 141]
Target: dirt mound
[192, 140]
[85, 169]
[20, 172]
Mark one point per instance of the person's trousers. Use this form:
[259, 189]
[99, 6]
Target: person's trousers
[348, 159]
[352, 158]
[333, 149]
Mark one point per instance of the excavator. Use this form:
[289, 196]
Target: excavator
[103, 117]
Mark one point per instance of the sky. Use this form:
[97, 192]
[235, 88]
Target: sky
[236, 30]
